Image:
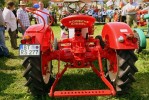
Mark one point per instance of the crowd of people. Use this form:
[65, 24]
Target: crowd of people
[15, 21]
[124, 13]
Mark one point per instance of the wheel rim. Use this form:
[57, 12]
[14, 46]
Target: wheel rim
[46, 77]
[112, 67]
[111, 73]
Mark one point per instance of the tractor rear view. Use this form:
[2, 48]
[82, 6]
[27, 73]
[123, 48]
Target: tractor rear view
[80, 49]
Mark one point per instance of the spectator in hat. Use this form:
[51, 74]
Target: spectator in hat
[11, 24]
[23, 18]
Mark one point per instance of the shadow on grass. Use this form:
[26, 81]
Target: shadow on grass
[12, 96]
[87, 80]
[139, 90]
[3, 61]
[84, 81]
[6, 80]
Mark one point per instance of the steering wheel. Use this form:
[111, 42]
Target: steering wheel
[74, 10]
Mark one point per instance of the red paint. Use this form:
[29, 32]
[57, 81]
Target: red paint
[80, 52]
[112, 31]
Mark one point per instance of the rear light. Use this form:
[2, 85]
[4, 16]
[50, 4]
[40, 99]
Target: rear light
[28, 40]
[27, 37]
[23, 41]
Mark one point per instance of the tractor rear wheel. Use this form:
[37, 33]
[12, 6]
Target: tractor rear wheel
[124, 77]
[33, 74]
[139, 47]
[102, 44]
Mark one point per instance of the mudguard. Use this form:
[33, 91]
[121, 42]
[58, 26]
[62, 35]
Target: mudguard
[43, 35]
[142, 38]
[113, 33]
[146, 16]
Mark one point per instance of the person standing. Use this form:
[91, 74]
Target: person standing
[131, 10]
[45, 16]
[23, 18]
[104, 14]
[2, 37]
[15, 13]
[11, 24]
[123, 14]
[2, 29]
[110, 13]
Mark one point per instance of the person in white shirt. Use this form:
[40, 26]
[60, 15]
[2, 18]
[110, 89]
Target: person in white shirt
[131, 10]
[90, 11]
[45, 16]
[23, 18]
[123, 13]
[110, 13]
[11, 24]
[104, 14]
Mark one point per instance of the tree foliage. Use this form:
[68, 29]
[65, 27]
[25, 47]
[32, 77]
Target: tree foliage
[46, 3]
[2, 3]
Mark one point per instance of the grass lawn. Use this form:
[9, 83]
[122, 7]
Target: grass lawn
[12, 83]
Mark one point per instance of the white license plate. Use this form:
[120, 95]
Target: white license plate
[29, 50]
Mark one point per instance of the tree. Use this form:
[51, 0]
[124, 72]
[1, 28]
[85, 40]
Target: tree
[2, 3]
[46, 3]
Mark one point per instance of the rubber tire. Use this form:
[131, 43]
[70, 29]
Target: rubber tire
[102, 44]
[139, 49]
[34, 78]
[55, 46]
[126, 70]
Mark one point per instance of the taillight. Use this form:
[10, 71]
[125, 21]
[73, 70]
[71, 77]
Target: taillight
[28, 40]
[23, 41]
[27, 37]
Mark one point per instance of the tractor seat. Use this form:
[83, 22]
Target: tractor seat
[78, 21]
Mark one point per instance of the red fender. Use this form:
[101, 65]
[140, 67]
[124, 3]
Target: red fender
[118, 35]
[41, 33]
[43, 37]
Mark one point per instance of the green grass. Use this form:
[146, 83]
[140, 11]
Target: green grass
[12, 83]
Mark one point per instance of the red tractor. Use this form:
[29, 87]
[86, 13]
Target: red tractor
[80, 49]
[141, 20]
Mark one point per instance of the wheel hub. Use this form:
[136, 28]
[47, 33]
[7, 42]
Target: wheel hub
[110, 71]
[46, 77]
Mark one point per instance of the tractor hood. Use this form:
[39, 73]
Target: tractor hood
[78, 21]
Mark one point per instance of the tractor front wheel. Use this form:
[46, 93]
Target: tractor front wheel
[33, 74]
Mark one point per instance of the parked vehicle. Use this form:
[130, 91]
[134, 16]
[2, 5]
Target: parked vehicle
[79, 49]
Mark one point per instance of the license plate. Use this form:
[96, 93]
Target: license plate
[29, 50]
